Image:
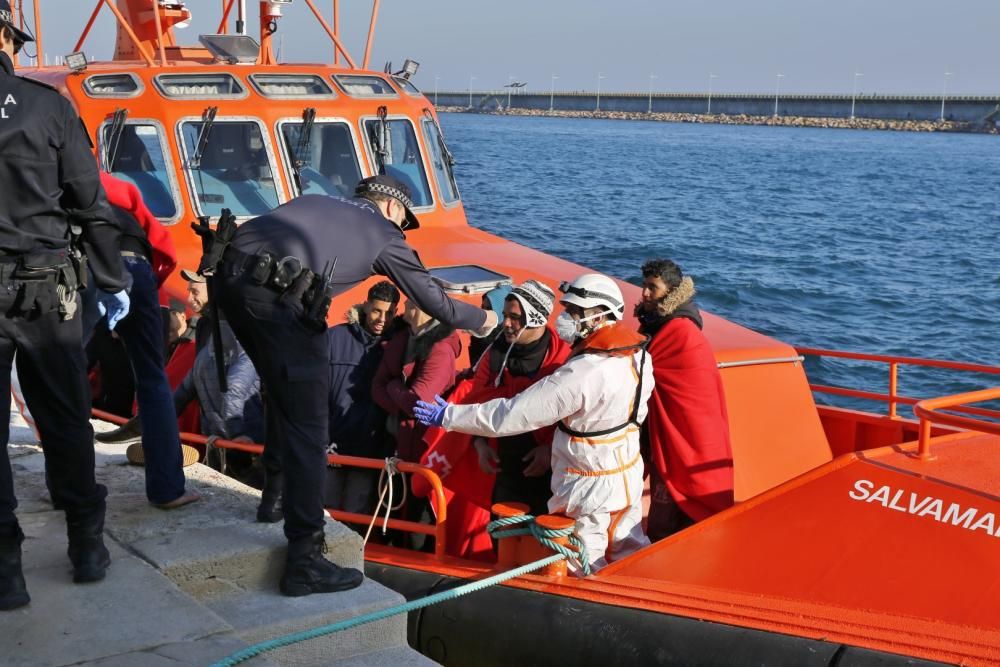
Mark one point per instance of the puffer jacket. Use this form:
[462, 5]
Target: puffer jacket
[356, 422]
[237, 412]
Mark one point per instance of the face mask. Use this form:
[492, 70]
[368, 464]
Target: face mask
[569, 329]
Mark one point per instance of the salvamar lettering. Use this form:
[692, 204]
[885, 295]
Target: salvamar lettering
[3, 109]
[909, 502]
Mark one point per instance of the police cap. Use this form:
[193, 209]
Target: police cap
[387, 185]
[7, 18]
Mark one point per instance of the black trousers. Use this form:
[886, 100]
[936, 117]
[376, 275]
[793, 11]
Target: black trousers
[293, 362]
[52, 370]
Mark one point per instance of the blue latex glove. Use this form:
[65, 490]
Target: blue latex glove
[114, 306]
[431, 414]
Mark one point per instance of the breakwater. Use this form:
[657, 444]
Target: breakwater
[746, 119]
[912, 113]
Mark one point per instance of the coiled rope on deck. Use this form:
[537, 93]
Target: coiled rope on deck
[498, 529]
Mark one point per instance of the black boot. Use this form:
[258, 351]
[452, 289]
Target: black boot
[307, 571]
[86, 551]
[269, 510]
[13, 593]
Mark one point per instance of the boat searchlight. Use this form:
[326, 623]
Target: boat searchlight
[232, 49]
[410, 68]
[76, 62]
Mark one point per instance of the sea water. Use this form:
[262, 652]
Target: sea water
[881, 242]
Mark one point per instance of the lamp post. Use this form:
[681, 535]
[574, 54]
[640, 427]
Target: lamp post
[854, 92]
[649, 107]
[471, 79]
[436, 79]
[552, 93]
[710, 77]
[777, 91]
[599, 77]
[944, 93]
[510, 87]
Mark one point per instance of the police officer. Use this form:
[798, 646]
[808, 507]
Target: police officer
[269, 263]
[49, 181]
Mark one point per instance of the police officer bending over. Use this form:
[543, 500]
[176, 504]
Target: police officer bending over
[275, 281]
[50, 182]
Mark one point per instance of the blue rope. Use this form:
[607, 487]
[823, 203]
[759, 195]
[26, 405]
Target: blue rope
[257, 649]
[577, 554]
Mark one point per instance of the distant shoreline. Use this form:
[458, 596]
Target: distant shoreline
[744, 119]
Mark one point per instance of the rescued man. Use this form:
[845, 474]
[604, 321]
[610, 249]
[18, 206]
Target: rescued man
[687, 431]
[275, 277]
[50, 185]
[356, 422]
[597, 399]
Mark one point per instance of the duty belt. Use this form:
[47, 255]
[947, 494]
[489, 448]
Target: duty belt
[267, 270]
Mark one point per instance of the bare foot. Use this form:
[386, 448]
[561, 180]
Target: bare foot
[186, 499]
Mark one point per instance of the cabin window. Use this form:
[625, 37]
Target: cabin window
[407, 86]
[292, 86]
[441, 162]
[200, 86]
[329, 158]
[112, 85]
[138, 156]
[357, 85]
[234, 169]
[399, 155]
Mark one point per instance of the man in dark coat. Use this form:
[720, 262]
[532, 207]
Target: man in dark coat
[356, 422]
[274, 285]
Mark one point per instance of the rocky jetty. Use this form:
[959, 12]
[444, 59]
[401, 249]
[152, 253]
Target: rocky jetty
[743, 119]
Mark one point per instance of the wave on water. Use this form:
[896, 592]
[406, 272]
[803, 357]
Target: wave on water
[881, 242]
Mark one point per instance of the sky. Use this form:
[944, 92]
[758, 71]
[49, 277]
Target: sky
[896, 46]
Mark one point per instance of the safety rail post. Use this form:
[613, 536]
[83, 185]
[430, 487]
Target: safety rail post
[223, 28]
[893, 378]
[509, 548]
[159, 32]
[927, 411]
[330, 33]
[438, 530]
[86, 28]
[533, 550]
[371, 34]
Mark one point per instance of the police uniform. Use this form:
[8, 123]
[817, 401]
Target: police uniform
[49, 180]
[290, 353]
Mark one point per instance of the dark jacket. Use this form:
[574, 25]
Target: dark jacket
[409, 373]
[49, 180]
[237, 412]
[356, 422]
[319, 229]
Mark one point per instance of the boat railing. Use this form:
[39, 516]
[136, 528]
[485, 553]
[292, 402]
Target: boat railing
[437, 530]
[928, 410]
[892, 397]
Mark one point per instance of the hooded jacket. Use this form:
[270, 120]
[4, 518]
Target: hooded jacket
[236, 412]
[688, 425]
[355, 421]
[402, 380]
[126, 196]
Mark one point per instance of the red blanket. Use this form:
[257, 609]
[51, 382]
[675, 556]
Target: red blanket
[688, 423]
[126, 196]
[451, 455]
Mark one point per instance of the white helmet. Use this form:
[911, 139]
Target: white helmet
[592, 290]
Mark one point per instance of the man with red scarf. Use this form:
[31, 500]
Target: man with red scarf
[509, 469]
[687, 432]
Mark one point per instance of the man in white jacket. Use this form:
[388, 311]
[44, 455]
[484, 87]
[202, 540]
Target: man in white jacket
[597, 399]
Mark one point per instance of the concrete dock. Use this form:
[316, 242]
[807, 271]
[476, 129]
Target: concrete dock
[185, 587]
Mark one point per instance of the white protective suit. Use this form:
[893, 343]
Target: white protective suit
[595, 480]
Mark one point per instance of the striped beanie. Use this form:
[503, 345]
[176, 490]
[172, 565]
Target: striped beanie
[537, 300]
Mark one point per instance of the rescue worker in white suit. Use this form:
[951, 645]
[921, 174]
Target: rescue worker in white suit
[598, 400]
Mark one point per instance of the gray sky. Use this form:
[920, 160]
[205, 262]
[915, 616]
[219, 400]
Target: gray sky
[900, 46]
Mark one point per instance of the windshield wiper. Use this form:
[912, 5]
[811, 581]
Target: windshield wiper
[207, 121]
[114, 137]
[302, 148]
[449, 159]
[378, 137]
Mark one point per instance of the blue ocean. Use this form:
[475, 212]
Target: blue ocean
[881, 242]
